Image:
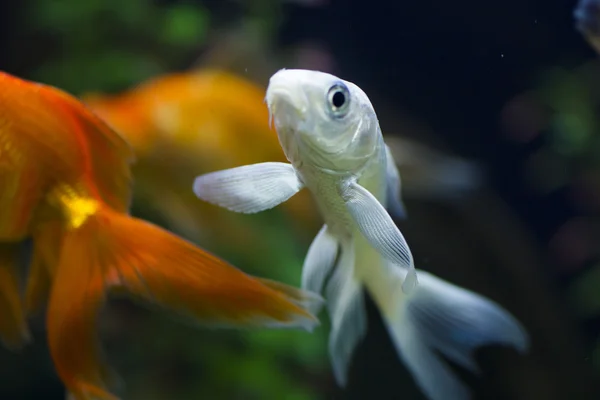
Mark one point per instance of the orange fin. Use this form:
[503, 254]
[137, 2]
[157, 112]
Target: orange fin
[38, 285]
[46, 116]
[14, 332]
[46, 244]
[307, 300]
[113, 251]
[77, 293]
[155, 265]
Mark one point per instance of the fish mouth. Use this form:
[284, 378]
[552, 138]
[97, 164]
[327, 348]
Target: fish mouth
[285, 108]
[286, 100]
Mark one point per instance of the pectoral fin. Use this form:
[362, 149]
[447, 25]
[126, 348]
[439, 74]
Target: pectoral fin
[395, 205]
[379, 229]
[249, 189]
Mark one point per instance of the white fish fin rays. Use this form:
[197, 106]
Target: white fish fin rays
[249, 189]
[435, 378]
[345, 302]
[443, 317]
[379, 229]
[320, 261]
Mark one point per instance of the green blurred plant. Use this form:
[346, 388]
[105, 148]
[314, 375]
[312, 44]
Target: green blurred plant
[572, 147]
[574, 126]
[111, 44]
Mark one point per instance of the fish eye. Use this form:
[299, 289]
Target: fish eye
[338, 98]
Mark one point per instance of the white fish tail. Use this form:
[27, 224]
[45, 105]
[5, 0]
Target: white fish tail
[441, 317]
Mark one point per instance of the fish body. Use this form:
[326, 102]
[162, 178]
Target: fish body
[330, 134]
[339, 222]
[66, 182]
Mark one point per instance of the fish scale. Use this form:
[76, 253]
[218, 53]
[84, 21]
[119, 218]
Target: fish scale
[326, 195]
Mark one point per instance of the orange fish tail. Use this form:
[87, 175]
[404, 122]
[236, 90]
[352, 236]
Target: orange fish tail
[113, 252]
[14, 332]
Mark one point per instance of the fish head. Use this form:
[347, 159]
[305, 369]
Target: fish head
[322, 119]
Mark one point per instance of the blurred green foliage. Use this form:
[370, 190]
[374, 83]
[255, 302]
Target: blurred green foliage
[109, 46]
[574, 126]
[572, 101]
[571, 138]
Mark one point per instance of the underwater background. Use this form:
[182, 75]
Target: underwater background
[491, 109]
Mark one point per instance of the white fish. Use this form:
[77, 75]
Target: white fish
[330, 134]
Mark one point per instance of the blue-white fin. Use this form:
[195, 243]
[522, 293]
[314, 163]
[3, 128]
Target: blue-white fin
[439, 316]
[379, 229]
[435, 379]
[395, 206]
[249, 189]
[346, 307]
[319, 261]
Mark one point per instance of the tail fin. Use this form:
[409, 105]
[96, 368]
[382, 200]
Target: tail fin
[117, 253]
[445, 318]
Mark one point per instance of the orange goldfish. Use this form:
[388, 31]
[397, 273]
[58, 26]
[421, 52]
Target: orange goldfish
[66, 182]
[200, 120]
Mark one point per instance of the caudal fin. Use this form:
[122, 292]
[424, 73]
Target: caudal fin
[117, 253]
[441, 317]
